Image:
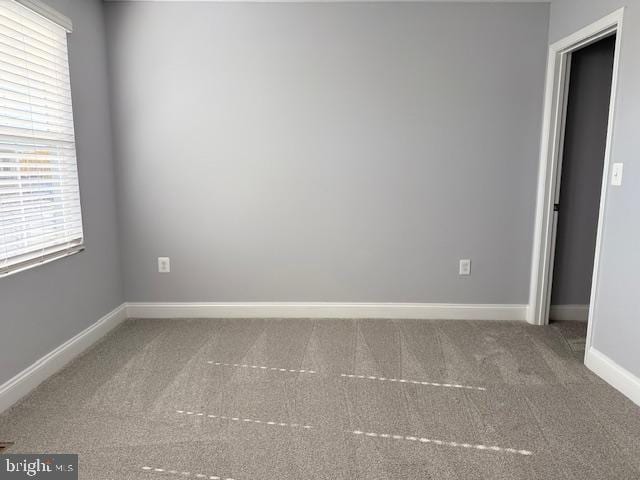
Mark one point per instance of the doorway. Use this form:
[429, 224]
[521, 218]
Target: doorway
[579, 181]
[580, 167]
[571, 107]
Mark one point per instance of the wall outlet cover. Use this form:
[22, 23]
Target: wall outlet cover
[164, 264]
[465, 267]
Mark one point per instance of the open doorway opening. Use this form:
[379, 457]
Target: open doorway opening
[589, 73]
[550, 176]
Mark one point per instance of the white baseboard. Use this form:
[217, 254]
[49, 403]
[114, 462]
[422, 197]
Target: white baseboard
[569, 312]
[27, 380]
[612, 373]
[328, 310]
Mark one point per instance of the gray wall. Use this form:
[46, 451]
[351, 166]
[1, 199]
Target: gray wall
[582, 162]
[42, 308]
[616, 327]
[327, 152]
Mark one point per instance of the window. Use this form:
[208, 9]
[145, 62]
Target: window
[40, 217]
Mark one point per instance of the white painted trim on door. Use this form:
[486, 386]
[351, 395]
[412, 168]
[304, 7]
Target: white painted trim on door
[441, 311]
[578, 313]
[612, 373]
[549, 154]
[24, 382]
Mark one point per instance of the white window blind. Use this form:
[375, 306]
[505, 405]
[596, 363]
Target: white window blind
[40, 217]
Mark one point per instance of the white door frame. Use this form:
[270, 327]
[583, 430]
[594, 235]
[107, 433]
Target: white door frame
[556, 89]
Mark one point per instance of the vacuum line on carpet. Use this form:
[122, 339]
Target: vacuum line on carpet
[411, 438]
[415, 382]
[261, 367]
[347, 375]
[490, 448]
[184, 473]
[244, 420]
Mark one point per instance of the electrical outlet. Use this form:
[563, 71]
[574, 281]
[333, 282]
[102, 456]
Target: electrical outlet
[164, 264]
[465, 267]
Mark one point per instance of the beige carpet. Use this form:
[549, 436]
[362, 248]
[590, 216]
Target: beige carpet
[332, 399]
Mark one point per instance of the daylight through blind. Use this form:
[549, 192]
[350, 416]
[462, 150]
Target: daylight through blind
[40, 215]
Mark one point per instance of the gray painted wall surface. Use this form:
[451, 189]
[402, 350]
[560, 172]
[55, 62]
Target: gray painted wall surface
[616, 328]
[43, 307]
[583, 159]
[327, 152]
